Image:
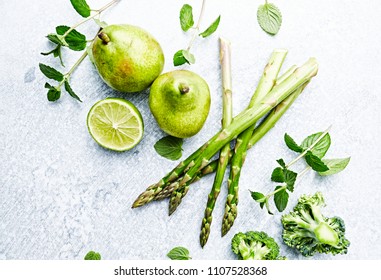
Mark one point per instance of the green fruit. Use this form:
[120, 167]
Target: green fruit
[115, 124]
[180, 102]
[127, 57]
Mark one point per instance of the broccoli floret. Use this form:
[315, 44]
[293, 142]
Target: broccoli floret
[255, 245]
[307, 230]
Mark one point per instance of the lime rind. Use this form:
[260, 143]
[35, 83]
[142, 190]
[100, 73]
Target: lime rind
[115, 124]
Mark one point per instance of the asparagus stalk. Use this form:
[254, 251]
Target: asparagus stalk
[265, 85]
[240, 123]
[225, 60]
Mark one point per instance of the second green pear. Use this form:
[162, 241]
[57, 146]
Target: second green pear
[180, 102]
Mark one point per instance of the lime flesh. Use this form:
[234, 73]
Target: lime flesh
[115, 124]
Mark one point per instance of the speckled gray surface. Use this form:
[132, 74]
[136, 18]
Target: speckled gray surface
[62, 195]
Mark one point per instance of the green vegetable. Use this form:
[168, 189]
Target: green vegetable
[269, 18]
[92, 256]
[69, 37]
[186, 22]
[254, 245]
[308, 231]
[169, 147]
[179, 253]
[227, 114]
[266, 84]
[312, 149]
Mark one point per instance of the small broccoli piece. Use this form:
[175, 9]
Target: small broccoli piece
[254, 245]
[307, 230]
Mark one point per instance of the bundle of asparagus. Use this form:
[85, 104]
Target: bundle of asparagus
[272, 97]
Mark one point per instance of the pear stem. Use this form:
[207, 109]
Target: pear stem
[184, 88]
[104, 37]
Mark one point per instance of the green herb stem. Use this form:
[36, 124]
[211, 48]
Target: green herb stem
[197, 28]
[79, 61]
[98, 12]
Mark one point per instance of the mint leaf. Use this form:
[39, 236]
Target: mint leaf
[53, 93]
[179, 253]
[335, 165]
[277, 175]
[290, 178]
[291, 144]
[169, 147]
[183, 56]
[281, 199]
[81, 7]
[269, 18]
[51, 73]
[179, 59]
[56, 53]
[211, 29]
[92, 256]
[321, 148]
[71, 92]
[75, 40]
[189, 57]
[54, 38]
[315, 162]
[258, 197]
[186, 17]
[281, 162]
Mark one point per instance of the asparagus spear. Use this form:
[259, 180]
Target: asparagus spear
[150, 193]
[240, 123]
[225, 60]
[265, 85]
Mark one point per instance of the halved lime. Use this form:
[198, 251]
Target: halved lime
[115, 124]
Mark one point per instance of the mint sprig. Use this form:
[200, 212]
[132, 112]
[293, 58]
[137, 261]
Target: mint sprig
[312, 149]
[69, 37]
[184, 56]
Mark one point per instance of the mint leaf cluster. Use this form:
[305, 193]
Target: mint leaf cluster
[313, 148]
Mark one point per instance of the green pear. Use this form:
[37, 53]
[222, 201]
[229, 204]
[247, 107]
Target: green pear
[127, 57]
[180, 102]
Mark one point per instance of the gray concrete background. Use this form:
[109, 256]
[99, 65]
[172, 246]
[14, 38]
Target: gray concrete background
[62, 195]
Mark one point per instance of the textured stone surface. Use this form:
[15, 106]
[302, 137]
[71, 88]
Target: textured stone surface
[62, 195]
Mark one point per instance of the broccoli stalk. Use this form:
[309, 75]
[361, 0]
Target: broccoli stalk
[255, 245]
[307, 230]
